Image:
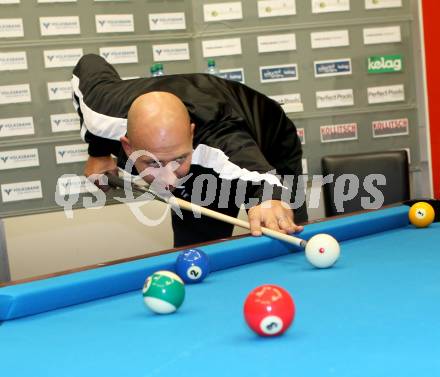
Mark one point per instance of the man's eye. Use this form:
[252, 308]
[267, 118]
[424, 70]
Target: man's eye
[153, 164]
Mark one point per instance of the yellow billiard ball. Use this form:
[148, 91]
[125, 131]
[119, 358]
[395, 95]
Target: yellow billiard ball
[421, 214]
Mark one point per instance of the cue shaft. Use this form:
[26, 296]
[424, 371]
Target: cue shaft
[188, 206]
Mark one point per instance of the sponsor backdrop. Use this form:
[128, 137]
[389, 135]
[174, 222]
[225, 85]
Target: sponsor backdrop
[343, 70]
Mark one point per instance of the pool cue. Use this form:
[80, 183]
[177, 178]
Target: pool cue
[116, 181]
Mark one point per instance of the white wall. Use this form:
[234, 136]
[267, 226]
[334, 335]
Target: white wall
[46, 243]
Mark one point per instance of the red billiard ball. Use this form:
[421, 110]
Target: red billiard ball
[269, 310]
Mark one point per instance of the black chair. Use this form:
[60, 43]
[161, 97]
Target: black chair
[391, 164]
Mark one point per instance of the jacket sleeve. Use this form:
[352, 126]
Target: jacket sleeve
[92, 81]
[262, 170]
[270, 145]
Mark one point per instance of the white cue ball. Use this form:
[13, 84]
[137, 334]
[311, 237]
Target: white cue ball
[322, 251]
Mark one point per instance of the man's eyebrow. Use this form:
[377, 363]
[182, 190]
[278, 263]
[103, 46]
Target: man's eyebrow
[149, 160]
[182, 156]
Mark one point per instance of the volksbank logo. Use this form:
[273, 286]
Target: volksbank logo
[167, 21]
[62, 58]
[120, 54]
[385, 64]
[11, 27]
[74, 185]
[12, 61]
[170, 52]
[114, 23]
[16, 126]
[59, 25]
[59, 90]
[71, 153]
[12, 192]
[65, 122]
[15, 94]
[22, 158]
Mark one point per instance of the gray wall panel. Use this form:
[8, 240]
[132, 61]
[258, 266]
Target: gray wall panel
[248, 29]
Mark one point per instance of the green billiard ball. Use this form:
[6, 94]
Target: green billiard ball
[163, 292]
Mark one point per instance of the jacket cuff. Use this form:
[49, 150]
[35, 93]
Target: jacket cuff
[104, 149]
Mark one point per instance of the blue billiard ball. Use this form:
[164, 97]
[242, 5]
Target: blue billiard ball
[192, 265]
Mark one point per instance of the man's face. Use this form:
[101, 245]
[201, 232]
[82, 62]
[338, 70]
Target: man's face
[165, 159]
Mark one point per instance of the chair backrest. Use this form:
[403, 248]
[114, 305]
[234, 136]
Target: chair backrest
[392, 164]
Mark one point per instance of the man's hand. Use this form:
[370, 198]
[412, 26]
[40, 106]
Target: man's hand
[272, 214]
[96, 167]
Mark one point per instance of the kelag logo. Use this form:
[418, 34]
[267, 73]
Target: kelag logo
[385, 64]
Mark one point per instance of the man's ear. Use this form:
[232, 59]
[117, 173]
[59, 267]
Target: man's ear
[126, 145]
[193, 126]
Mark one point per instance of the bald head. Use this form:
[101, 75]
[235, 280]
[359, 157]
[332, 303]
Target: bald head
[159, 123]
[157, 118]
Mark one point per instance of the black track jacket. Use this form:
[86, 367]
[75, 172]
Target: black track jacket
[240, 134]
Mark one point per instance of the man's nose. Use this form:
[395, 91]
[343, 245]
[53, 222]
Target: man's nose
[168, 176]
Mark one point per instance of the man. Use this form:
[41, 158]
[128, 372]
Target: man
[177, 129]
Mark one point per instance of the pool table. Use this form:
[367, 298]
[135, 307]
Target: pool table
[376, 313]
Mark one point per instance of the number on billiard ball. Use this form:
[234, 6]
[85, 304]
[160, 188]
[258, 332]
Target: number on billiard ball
[269, 310]
[192, 265]
[163, 292]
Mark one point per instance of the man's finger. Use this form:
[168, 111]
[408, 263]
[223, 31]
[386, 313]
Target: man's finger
[255, 223]
[298, 228]
[271, 222]
[286, 224]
